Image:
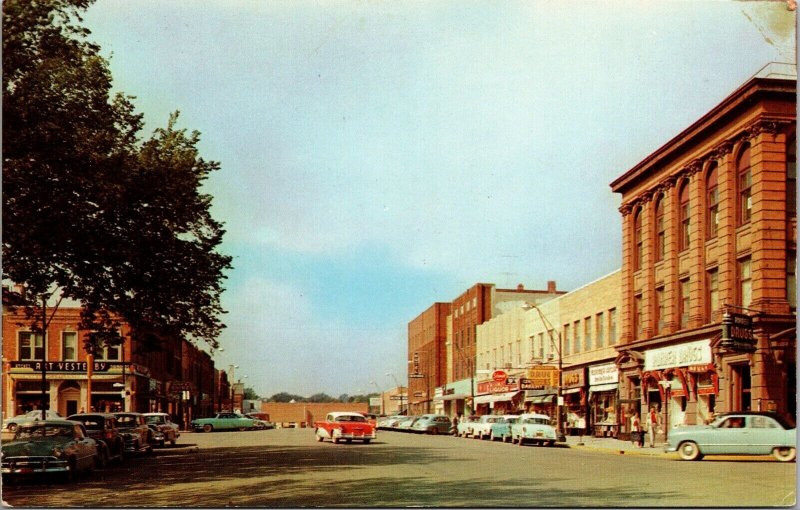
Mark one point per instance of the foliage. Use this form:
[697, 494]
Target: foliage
[88, 210]
[250, 394]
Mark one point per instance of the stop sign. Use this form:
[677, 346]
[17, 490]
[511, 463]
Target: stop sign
[499, 376]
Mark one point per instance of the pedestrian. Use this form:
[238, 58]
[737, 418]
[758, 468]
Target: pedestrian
[454, 429]
[636, 430]
[652, 424]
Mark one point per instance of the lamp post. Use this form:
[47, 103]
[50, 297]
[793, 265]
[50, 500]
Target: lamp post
[557, 346]
[380, 392]
[399, 388]
[230, 381]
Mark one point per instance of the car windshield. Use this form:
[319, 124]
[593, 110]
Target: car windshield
[350, 418]
[90, 422]
[42, 431]
[126, 422]
[512, 420]
[155, 419]
[538, 421]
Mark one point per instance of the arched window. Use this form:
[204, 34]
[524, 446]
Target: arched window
[712, 203]
[791, 176]
[745, 183]
[661, 229]
[637, 239]
[685, 210]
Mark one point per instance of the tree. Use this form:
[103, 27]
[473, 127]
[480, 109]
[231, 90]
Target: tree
[285, 397]
[250, 394]
[88, 210]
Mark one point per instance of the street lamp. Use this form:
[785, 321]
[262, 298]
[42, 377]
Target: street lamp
[557, 346]
[380, 392]
[399, 388]
[230, 381]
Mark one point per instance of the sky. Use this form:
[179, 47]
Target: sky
[378, 157]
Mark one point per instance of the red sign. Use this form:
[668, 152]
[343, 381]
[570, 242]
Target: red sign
[499, 376]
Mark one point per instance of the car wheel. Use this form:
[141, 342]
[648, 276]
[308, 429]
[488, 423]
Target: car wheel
[173, 442]
[319, 436]
[491, 436]
[551, 443]
[69, 475]
[242, 429]
[208, 428]
[689, 450]
[101, 461]
[434, 431]
[505, 438]
[335, 440]
[785, 453]
[520, 440]
[12, 427]
[366, 441]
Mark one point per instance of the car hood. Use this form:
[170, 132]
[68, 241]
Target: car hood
[24, 447]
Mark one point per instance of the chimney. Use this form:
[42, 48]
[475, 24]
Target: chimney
[520, 287]
[551, 286]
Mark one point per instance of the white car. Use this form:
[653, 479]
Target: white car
[11, 424]
[483, 428]
[533, 427]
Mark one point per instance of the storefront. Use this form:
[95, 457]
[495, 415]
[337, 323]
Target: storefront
[501, 396]
[541, 387]
[574, 392]
[603, 399]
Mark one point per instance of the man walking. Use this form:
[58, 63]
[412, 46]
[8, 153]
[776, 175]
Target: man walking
[652, 424]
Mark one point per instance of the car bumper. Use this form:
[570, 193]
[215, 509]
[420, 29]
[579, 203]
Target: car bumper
[351, 435]
[34, 465]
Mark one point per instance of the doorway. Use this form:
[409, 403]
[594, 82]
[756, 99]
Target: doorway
[740, 387]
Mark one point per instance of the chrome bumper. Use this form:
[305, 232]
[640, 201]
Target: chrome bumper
[33, 465]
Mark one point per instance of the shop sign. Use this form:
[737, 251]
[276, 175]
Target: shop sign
[691, 353]
[573, 378]
[540, 378]
[495, 387]
[603, 374]
[499, 376]
[62, 366]
[737, 332]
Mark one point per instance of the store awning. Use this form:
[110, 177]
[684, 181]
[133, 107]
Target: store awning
[541, 399]
[496, 397]
[453, 396]
[603, 387]
[571, 390]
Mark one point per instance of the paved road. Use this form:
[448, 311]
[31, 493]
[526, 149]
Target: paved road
[287, 468]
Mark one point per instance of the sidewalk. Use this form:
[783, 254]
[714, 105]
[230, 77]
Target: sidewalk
[615, 446]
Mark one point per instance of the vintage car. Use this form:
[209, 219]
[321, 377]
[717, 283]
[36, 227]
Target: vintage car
[406, 423]
[11, 424]
[102, 427]
[260, 423]
[465, 426]
[482, 429]
[535, 428]
[166, 429]
[501, 429]
[388, 422]
[344, 426]
[746, 433]
[224, 421]
[136, 435]
[432, 424]
[49, 447]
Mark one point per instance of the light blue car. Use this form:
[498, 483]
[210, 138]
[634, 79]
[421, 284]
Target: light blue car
[501, 429]
[535, 428]
[750, 433]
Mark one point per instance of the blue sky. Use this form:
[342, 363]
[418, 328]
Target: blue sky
[378, 157]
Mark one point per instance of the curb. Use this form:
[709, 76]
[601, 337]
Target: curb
[655, 452]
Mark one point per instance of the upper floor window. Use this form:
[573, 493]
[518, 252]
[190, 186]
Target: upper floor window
[638, 325]
[661, 309]
[576, 336]
[69, 346]
[566, 339]
[745, 183]
[31, 346]
[637, 239]
[587, 333]
[685, 212]
[661, 229]
[791, 177]
[683, 303]
[109, 353]
[601, 334]
[712, 289]
[745, 282]
[791, 279]
[712, 203]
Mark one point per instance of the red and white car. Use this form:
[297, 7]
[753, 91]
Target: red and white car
[344, 426]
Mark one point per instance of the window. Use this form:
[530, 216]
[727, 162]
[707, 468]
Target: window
[661, 310]
[566, 339]
[712, 299]
[69, 346]
[791, 279]
[587, 333]
[612, 326]
[637, 316]
[601, 339]
[541, 345]
[576, 337]
[745, 181]
[519, 352]
[661, 229]
[30, 346]
[685, 212]
[712, 203]
[791, 177]
[745, 286]
[637, 239]
[683, 303]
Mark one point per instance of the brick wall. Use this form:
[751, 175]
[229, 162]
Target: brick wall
[307, 412]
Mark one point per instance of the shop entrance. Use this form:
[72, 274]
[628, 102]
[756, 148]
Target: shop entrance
[740, 387]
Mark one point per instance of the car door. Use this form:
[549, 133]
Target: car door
[764, 434]
[729, 437]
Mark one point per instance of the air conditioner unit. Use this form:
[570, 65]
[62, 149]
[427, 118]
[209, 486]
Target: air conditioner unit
[507, 365]
[550, 357]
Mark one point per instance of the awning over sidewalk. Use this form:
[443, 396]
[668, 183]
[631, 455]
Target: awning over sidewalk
[540, 399]
[455, 396]
[496, 397]
[603, 387]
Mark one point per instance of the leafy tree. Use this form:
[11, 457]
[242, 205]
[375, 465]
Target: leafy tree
[320, 397]
[250, 394]
[285, 397]
[88, 210]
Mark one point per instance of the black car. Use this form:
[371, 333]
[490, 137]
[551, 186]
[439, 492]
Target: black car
[102, 427]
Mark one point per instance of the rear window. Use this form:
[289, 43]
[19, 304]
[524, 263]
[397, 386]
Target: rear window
[126, 422]
[345, 418]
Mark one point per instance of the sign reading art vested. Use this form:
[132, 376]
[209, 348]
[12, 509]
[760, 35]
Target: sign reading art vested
[691, 353]
[63, 366]
[603, 374]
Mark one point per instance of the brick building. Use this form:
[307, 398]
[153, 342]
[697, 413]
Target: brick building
[427, 338]
[304, 414]
[709, 229]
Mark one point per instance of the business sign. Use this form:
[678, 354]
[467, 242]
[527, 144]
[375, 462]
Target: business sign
[603, 374]
[499, 376]
[375, 401]
[573, 378]
[397, 397]
[63, 366]
[539, 378]
[737, 333]
[682, 355]
[495, 387]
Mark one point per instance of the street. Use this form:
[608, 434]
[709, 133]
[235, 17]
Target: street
[288, 468]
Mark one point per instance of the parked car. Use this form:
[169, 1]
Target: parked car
[432, 424]
[46, 447]
[371, 418]
[224, 421]
[482, 429]
[388, 422]
[259, 423]
[11, 424]
[162, 422]
[535, 428]
[751, 433]
[136, 435]
[102, 427]
[344, 426]
[501, 429]
[406, 423]
[465, 426]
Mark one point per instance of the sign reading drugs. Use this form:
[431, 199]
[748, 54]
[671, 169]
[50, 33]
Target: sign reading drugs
[682, 355]
[539, 378]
